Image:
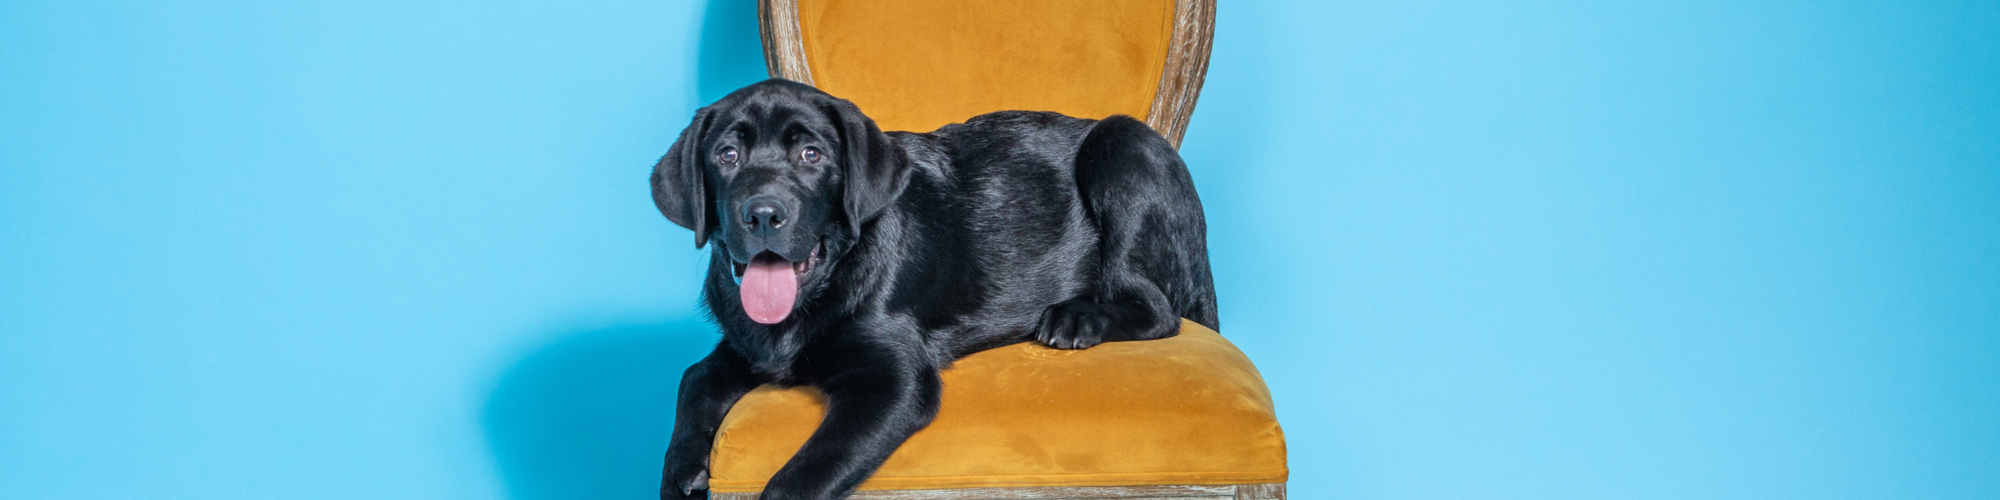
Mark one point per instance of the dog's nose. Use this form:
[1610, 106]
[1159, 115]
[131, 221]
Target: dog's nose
[763, 214]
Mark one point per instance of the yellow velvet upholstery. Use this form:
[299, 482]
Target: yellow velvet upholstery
[1184, 410]
[919, 64]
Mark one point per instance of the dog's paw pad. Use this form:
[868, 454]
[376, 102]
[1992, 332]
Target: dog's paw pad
[1073, 324]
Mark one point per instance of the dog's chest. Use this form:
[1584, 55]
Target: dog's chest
[774, 357]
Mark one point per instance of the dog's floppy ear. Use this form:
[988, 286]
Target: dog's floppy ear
[679, 188]
[875, 169]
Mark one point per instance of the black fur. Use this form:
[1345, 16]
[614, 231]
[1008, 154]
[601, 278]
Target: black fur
[1010, 227]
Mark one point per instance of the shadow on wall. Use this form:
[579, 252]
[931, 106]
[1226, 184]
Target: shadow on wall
[588, 415]
[732, 53]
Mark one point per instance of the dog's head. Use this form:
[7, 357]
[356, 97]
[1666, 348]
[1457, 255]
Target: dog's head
[783, 176]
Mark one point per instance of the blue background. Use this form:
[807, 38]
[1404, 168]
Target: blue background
[1689, 249]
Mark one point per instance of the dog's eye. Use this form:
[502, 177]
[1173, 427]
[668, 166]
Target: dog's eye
[726, 156]
[810, 154]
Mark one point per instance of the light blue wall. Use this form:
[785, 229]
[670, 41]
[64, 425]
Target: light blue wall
[1537, 250]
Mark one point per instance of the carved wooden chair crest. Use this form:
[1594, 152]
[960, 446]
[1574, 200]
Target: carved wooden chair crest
[916, 65]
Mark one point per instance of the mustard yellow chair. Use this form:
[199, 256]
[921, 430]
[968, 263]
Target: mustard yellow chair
[1182, 417]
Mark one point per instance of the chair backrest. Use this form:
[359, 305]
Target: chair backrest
[920, 64]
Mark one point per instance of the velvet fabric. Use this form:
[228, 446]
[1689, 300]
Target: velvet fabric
[1189, 409]
[920, 64]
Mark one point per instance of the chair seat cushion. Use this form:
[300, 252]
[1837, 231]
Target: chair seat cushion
[1190, 409]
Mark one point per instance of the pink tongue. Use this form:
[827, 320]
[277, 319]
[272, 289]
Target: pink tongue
[769, 287]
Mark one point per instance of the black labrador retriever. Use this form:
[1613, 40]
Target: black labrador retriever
[861, 262]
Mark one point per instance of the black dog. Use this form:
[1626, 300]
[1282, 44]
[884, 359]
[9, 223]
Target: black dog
[861, 262]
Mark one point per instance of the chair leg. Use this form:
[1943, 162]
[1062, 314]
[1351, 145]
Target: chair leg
[1271, 491]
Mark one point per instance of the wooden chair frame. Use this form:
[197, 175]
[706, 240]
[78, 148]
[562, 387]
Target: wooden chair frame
[1274, 491]
[1180, 85]
[1173, 103]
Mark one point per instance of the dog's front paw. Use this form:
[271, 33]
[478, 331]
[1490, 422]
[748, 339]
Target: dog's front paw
[1073, 324]
[684, 483]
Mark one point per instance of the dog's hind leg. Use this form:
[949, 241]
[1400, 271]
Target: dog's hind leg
[1153, 251]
